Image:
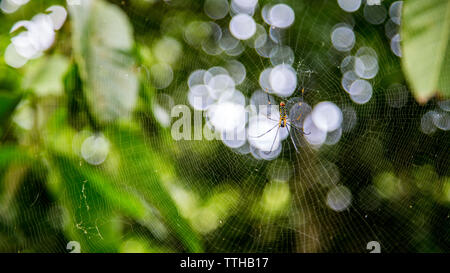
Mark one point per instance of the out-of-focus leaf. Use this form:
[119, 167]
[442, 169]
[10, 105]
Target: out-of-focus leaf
[13, 154]
[140, 169]
[93, 198]
[103, 41]
[8, 103]
[45, 75]
[113, 192]
[128, 181]
[425, 36]
[91, 220]
[77, 107]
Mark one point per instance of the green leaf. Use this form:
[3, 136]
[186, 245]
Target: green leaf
[8, 103]
[92, 197]
[114, 193]
[91, 221]
[13, 154]
[426, 47]
[93, 194]
[140, 169]
[128, 182]
[45, 75]
[103, 42]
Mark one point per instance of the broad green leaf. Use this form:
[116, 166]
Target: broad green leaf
[94, 200]
[103, 42]
[93, 195]
[426, 47]
[13, 154]
[129, 182]
[141, 169]
[111, 191]
[45, 75]
[91, 221]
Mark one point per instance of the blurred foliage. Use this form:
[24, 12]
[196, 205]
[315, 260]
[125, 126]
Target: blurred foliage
[153, 194]
[102, 42]
[426, 30]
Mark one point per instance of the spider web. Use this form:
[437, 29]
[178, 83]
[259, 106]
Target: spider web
[384, 179]
[377, 144]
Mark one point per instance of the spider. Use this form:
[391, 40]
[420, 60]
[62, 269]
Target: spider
[298, 109]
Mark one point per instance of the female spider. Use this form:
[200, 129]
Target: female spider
[297, 109]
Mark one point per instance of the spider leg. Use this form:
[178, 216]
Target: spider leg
[299, 116]
[297, 128]
[276, 135]
[273, 119]
[268, 115]
[268, 97]
[292, 138]
[266, 132]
